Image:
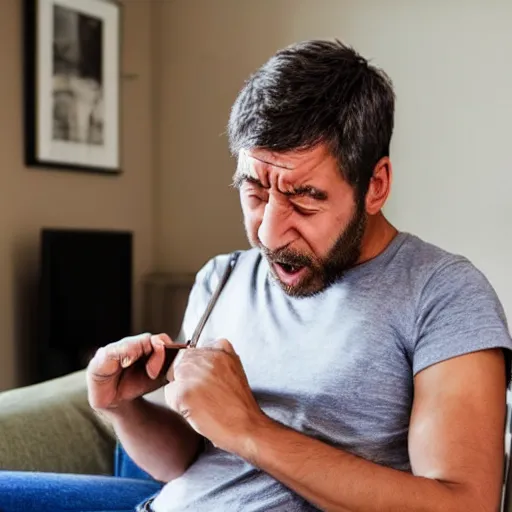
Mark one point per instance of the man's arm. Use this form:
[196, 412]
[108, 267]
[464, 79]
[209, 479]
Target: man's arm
[118, 377]
[156, 438]
[455, 445]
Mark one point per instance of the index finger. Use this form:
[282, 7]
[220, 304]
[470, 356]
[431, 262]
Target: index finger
[112, 358]
[169, 343]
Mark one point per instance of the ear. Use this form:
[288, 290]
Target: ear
[380, 186]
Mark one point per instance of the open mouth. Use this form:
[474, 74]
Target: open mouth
[289, 269]
[289, 275]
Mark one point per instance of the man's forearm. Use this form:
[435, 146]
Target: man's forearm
[156, 438]
[335, 480]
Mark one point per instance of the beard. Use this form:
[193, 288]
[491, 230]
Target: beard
[321, 273]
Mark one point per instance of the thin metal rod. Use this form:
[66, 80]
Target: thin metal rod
[200, 326]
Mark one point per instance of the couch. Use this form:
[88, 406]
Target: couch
[50, 427]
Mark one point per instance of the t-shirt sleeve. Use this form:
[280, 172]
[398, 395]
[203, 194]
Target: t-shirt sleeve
[458, 313]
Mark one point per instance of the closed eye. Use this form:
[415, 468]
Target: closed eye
[303, 211]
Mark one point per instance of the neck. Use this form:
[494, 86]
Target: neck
[378, 235]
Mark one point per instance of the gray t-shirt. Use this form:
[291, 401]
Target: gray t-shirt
[337, 366]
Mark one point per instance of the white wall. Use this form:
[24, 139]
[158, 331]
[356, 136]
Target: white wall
[451, 62]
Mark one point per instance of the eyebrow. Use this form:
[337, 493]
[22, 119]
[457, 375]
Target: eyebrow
[239, 178]
[300, 190]
[308, 190]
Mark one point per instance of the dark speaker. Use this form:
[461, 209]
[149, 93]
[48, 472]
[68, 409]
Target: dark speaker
[85, 297]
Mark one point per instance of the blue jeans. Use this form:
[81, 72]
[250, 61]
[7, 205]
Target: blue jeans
[50, 492]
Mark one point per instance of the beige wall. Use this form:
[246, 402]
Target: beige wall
[450, 64]
[30, 199]
[207, 48]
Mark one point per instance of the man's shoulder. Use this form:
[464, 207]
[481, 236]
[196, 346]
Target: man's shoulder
[440, 272]
[456, 309]
[428, 255]
[427, 261]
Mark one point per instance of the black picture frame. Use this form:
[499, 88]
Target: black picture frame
[72, 70]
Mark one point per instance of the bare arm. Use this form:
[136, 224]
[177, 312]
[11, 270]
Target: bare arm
[455, 446]
[156, 438]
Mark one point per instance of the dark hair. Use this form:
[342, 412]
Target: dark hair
[318, 92]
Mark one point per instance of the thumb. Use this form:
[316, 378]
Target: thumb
[224, 345]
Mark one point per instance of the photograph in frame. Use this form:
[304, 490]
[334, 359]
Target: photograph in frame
[72, 71]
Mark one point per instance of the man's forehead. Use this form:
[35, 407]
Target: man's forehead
[270, 158]
[252, 160]
[298, 173]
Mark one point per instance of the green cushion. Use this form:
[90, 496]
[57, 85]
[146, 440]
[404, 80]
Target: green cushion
[50, 427]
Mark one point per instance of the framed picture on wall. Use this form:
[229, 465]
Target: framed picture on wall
[72, 84]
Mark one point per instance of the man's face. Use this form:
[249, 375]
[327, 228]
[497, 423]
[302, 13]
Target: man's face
[302, 215]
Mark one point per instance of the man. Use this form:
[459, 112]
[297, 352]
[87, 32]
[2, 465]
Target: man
[346, 366]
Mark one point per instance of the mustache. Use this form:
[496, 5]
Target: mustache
[288, 257]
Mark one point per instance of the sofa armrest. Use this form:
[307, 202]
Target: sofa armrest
[50, 427]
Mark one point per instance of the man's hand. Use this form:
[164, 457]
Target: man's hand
[127, 369]
[209, 389]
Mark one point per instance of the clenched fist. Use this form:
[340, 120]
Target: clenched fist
[127, 369]
[210, 390]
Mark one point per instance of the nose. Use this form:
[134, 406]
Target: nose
[276, 229]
